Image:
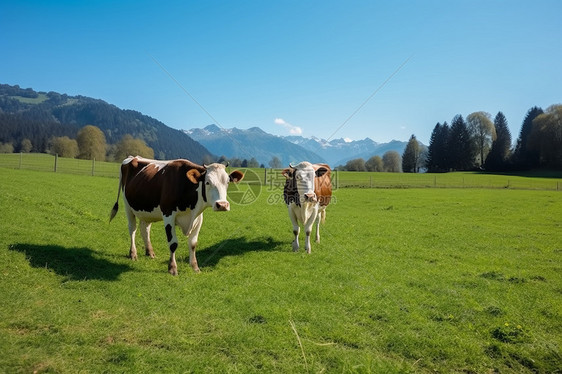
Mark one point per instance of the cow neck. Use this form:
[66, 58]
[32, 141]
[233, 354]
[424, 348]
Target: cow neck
[203, 190]
[296, 189]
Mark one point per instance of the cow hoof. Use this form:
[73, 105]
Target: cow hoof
[133, 257]
[197, 270]
[151, 255]
[173, 270]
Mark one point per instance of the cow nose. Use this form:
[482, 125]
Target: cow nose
[310, 197]
[222, 206]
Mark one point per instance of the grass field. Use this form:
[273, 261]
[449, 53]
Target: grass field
[538, 180]
[404, 280]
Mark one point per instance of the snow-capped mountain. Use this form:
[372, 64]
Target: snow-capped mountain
[339, 151]
[254, 142]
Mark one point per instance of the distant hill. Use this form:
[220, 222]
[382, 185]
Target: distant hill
[38, 116]
[253, 142]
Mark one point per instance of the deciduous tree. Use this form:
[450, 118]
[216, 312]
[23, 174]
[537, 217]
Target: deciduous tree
[91, 142]
[483, 133]
[26, 146]
[374, 163]
[275, 163]
[129, 146]
[64, 147]
[546, 136]
[357, 164]
[392, 162]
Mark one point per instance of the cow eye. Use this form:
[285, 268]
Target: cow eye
[207, 183]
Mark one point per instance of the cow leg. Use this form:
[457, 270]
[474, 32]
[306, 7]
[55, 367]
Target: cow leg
[193, 237]
[296, 228]
[308, 231]
[321, 215]
[318, 229]
[308, 225]
[145, 232]
[132, 232]
[170, 226]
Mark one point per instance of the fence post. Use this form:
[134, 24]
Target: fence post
[56, 161]
[370, 181]
[21, 158]
[264, 176]
[93, 165]
[337, 180]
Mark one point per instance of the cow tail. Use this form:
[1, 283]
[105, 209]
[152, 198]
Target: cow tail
[116, 206]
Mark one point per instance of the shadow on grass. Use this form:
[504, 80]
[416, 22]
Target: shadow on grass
[211, 256]
[73, 263]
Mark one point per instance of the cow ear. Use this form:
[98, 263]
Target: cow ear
[194, 176]
[321, 171]
[287, 173]
[236, 176]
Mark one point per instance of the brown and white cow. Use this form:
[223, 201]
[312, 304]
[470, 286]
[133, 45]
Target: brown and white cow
[307, 193]
[177, 192]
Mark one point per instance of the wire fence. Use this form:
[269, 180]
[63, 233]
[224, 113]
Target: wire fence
[46, 162]
[273, 178]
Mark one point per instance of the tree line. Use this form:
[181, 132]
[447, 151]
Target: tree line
[90, 144]
[478, 143]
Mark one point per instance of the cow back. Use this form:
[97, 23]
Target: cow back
[148, 184]
[323, 185]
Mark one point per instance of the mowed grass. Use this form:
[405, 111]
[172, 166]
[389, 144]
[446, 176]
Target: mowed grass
[404, 280]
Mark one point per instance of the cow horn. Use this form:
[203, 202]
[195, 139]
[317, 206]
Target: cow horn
[227, 163]
[291, 165]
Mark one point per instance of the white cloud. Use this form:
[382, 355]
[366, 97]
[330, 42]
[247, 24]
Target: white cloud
[347, 140]
[293, 130]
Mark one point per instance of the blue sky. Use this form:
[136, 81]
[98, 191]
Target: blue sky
[287, 66]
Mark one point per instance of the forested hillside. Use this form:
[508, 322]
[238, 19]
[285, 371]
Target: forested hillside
[40, 116]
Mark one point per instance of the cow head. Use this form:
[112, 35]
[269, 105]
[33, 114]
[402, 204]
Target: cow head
[215, 184]
[302, 177]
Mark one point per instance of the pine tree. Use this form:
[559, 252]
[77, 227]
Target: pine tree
[460, 147]
[523, 157]
[498, 158]
[411, 156]
[437, 150]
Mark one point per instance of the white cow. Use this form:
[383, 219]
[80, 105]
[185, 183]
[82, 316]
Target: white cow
[307, 193]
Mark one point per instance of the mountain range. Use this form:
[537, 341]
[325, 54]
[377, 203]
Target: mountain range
[254, 142]
[39, 116]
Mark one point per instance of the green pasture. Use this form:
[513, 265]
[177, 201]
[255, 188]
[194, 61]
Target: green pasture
[541, 180]
[419, 280]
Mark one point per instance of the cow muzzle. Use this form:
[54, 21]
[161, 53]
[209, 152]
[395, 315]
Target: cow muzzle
[310, 197]
[222, 206]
